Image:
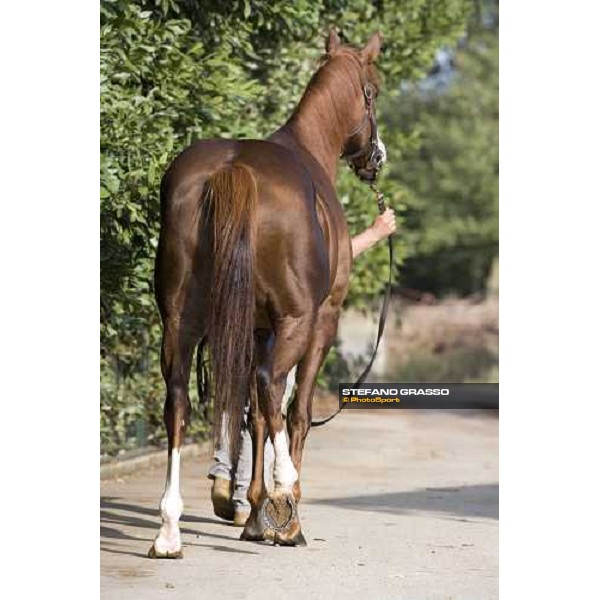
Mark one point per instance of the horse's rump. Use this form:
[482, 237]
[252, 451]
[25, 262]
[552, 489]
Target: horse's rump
[288, 231]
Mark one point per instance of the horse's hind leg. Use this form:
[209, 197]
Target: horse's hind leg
[179, 340]
[180, 280]
[300, 412]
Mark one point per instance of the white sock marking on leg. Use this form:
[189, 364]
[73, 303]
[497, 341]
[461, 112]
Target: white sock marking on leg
[289, 387]
[269, 463]
[171, 507]
[284, 473]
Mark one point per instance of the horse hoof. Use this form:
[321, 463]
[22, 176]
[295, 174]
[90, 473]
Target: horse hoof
[154, 553]
[280, 516]
[249, 535]
[295, 539]
[254, 530]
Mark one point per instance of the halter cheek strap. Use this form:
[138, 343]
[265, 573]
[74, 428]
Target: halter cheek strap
[372, 152]
[368, 94]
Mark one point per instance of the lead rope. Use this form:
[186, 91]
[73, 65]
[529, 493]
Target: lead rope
[382, 319]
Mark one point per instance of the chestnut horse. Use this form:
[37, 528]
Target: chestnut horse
[254, 259]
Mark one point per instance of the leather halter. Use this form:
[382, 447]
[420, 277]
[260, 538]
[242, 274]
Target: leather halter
[371, 151]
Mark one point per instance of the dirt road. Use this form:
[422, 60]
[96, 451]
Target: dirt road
[396, 504]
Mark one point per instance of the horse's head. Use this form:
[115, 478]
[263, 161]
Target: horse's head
[363, 148]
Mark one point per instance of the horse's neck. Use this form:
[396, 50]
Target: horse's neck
[319, 142]
[317, 134]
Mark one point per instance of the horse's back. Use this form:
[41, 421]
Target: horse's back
[280, 176]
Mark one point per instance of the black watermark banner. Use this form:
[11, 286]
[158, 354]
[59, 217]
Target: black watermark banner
[419, 395]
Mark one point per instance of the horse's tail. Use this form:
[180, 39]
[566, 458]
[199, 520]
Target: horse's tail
[229, 208]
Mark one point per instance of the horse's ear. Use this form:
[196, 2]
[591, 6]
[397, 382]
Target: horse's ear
[371, 51]
[333, 42]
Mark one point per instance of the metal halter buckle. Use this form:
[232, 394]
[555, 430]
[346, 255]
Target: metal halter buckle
[369, 92]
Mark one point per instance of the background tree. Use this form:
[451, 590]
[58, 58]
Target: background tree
[449, 172]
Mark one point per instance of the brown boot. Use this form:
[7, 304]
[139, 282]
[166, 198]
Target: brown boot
[221, 498]
[240, 517]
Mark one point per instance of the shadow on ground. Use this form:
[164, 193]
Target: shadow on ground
[116, 517]
[462, 501]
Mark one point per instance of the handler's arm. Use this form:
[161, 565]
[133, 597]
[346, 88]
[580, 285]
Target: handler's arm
[383, 226]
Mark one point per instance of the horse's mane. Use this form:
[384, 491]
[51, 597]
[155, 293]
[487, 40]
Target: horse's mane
[337, 83]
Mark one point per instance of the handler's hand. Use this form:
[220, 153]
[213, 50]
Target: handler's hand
[385, 224]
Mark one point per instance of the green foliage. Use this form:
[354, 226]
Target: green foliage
[176, 70]
[450, 172]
